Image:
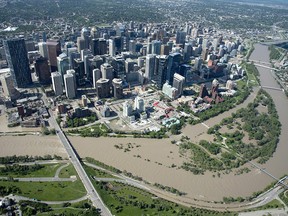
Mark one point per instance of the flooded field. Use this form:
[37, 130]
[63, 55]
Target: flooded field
[31, 145]
[152, 159]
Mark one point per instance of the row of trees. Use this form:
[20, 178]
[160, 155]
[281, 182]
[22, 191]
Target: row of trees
[26, 159]
[17, 169]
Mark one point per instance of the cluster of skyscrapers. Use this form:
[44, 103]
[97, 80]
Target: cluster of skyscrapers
[110, 58]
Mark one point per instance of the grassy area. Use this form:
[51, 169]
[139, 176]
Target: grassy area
[47, 170]
[275, 54]
[125, 200]
[68, 171]
[48, 191]
[271, 205]
[252, 74]
[284, 197]
[96, 130]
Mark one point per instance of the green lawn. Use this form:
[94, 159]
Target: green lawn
[68, 171]
[123, 200]
[271, 205]
[284, 197]
[49, 191]
[48, 170]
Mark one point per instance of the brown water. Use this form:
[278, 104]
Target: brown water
[203, 187]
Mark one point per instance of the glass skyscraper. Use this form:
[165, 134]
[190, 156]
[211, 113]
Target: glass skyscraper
[18, 62]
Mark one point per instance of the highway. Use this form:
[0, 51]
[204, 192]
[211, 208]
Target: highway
[93, 195]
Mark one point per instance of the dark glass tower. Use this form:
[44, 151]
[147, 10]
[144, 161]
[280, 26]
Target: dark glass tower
[18, 62]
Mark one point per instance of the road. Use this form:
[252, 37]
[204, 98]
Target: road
[121, 178]
[92, 193]
[18, 198]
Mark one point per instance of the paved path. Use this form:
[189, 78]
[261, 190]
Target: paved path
[18, 198]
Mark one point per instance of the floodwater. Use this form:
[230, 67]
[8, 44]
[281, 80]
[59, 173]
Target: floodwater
[152, 159]
[31, 145]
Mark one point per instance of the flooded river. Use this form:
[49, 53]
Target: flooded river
[153, 159]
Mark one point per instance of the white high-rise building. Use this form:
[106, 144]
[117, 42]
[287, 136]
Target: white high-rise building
[69, 86]
[43, 49]
[57, 83]
[112, 48]
[107, 71]
[132, 46]
[178, 83]
[139, 104]
[8, 86]
[127, 109]
[150, 66]
[73, 72]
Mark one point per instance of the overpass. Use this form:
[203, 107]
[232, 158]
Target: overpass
[92, 193]
[272, 88]
[267, 67]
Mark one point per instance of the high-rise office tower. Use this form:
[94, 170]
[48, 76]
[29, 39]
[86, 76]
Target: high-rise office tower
[129, 65]
[54, 50]
[118, 44]
[198, 63]
[85, 34]
[188, 51]
[112, 49]
[139, 104]
[204, 54]
[150, 66]
[62, 64]
[178, 83]
[117, 88]
[68, 45]
[18, 62]
[161, 68]
[173, 66]
[30, 45]
[165, 49]
[96, 76]
[8, 88]
[205, 43]
[84, 53]
[96, 62]
[141, 61]
[73, 54]
[132, 46]
[43, 49]
[72, 72]
[102, 46]
[127, 109]
[70, 88]
[57, 83]
[107, 72]
[94, 33]
[80, 44]
[156, 47]
[80, 71]
[103, 88]
[95, 46]
[170, 44]
[118, 64]
[180, 37]
[43, 71]
[88, 66]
